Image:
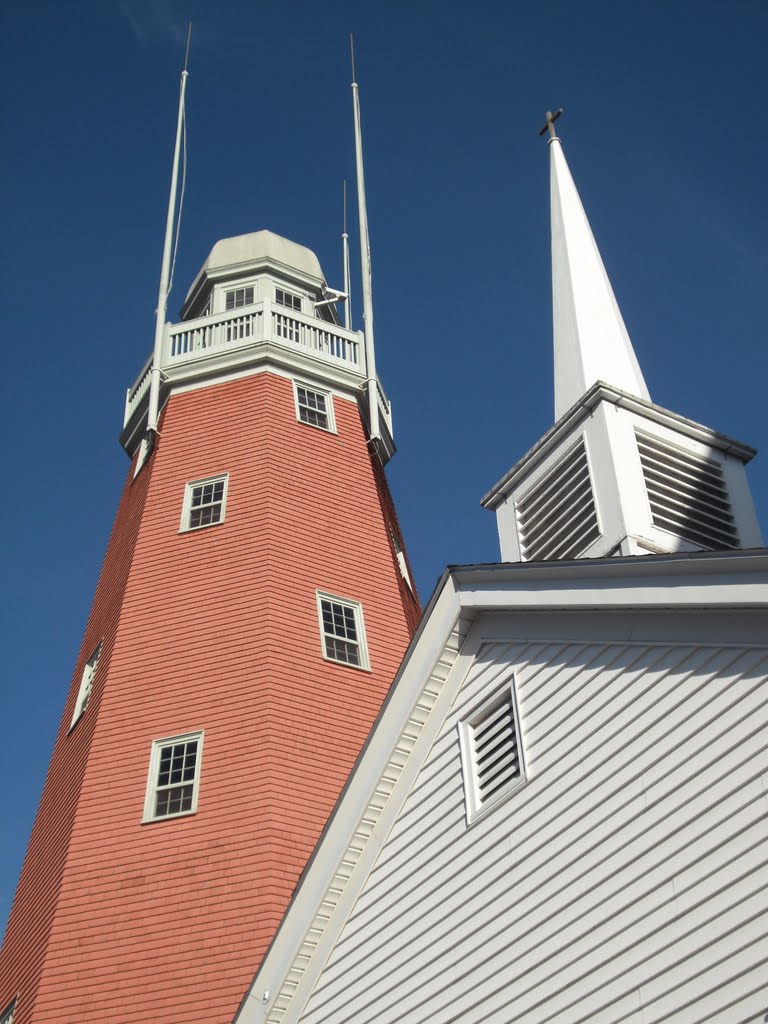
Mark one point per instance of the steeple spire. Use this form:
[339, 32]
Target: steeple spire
[616, 474]
[590, 339]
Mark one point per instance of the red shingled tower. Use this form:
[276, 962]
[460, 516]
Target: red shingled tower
[252, 610]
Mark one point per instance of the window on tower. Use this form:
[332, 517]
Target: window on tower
[84, 693]
[6, 1017]
[174, 774]
[238, 297]
[342, 630]
[288, 299]
[400, 556]
[314, 407]
[204, 503]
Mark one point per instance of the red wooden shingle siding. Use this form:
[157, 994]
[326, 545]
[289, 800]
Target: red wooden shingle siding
[30, 921]
[219, 631]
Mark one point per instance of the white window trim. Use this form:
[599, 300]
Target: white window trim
[85, 691]
[362, 643]
[154, 766]
[219, 296]
[186, 507]
[475, 809]
[400, 556]
[331, 428]
[293, 295]
[6, 1017]
[239, 288]
[145, 450]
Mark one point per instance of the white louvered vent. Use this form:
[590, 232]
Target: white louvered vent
[687, 494]
[491, 750]
[557, 518]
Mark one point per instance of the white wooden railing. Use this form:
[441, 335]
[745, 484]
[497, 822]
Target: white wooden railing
[194, 340]
[263, 321]
[138, 390]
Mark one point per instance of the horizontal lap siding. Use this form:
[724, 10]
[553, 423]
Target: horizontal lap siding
[219, 631]
[632, 863]
[25, 943]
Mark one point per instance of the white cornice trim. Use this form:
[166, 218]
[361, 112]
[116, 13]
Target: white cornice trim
[602, 392]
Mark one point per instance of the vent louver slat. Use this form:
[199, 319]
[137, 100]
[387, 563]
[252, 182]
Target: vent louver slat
[687, 494]
[494, 742]
[557, 518]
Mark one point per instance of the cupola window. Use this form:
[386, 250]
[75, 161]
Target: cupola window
[238, 297]
[287, 299]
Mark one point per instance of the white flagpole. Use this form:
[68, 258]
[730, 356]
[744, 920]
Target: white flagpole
[365, 259]
[347, 281]
[165, 269]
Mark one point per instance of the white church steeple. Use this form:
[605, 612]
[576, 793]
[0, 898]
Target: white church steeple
[616, 474]
[591, 342]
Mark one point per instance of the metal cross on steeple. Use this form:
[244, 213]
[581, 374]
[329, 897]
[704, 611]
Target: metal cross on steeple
[550, 125]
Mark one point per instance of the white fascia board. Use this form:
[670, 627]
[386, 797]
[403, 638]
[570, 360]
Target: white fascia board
[420, 661]
[735, 579]
[212, 365]
[312, 376]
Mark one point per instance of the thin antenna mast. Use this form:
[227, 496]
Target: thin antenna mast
[165, 268]
[365, 260]
[347, 281]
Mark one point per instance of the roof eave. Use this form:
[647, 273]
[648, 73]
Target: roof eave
[602, 392]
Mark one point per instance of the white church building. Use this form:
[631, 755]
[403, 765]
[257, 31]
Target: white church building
[560, 813]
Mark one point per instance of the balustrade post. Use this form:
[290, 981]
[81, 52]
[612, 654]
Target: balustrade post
[165, 352]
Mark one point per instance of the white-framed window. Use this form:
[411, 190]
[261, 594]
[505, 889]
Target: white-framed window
[84, 693]
[6, 1017]
[314, 407]
[287, 299]
[174, 776]
[492, 754]
[342, 630]
[145, 450]
[204, 503]
[237, 297]
[400, 556]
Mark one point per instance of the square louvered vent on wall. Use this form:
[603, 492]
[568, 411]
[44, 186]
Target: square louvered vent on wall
[687, 494]
[557, 518]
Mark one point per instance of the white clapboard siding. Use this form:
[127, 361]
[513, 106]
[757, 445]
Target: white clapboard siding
[626, 881]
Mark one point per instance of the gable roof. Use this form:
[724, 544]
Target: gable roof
[417, 706]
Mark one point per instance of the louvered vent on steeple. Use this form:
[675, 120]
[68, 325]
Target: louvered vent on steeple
[557, 518]
[687, 493]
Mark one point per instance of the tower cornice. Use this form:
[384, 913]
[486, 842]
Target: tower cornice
[583, 408]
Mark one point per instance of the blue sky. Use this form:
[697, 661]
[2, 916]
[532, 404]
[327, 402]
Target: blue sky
[663, 131]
